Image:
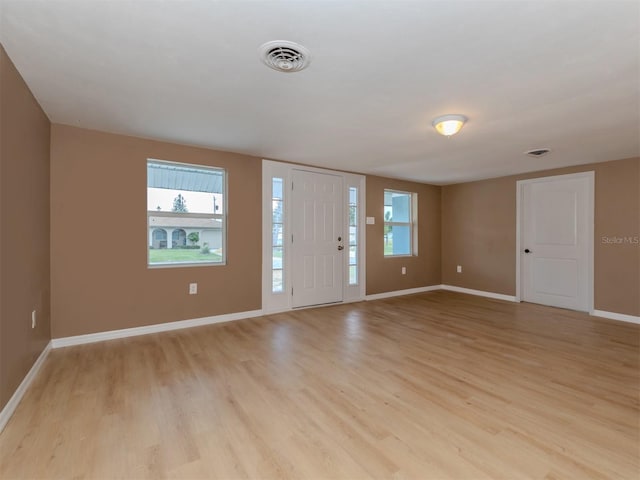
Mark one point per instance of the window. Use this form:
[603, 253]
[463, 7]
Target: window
[178, 238]
[277, 235]
[400, 214]
[159, 238]
[353, 236]
[186, 219]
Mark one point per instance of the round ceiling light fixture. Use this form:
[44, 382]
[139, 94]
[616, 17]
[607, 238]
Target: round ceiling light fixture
[448, 125]
[284, 56]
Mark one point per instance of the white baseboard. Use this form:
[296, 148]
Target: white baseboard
[160, 327]
[451, 288]
[616, 316]
[397, 293]
[276, 311]
[13, 402]
[480, 293]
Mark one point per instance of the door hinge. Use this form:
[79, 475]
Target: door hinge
[292, 238]
[292, 291]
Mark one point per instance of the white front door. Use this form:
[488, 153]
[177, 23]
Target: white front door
[317, 238]
[556, 241]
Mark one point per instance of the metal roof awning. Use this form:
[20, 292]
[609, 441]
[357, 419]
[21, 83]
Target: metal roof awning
[178, 177]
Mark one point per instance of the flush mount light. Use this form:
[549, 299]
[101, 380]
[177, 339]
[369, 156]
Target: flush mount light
[448, 125]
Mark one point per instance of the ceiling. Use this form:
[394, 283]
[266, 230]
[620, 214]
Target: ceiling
[558, 74]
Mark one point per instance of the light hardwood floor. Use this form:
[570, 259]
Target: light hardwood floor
[432, 386]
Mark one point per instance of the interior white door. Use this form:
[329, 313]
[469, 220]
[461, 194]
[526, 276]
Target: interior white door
[555, 245]
[317, 238]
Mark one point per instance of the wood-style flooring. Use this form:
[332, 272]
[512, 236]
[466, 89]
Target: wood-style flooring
[439, 385]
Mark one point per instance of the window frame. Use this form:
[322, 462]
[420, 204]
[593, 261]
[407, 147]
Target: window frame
[223, 216]
[412, 223]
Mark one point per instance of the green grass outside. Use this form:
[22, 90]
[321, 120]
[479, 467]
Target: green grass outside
[168, 255]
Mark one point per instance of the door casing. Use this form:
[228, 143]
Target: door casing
[282, 301]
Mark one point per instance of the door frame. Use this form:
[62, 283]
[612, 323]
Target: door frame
[520, 206]
[273, 302]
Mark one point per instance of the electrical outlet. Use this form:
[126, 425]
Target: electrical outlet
[459, 269]
[193, 288]
[404, 270]
[33, 319]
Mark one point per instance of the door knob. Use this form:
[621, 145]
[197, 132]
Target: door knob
[526, 250]
[340, 247]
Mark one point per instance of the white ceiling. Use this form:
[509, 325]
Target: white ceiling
[559, 74]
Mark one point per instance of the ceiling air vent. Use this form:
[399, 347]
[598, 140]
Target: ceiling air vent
[285, 56]
[538, 152]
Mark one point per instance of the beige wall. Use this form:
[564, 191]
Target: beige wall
[24, 228]
[479, 233]
[384, 274]
[99, 275]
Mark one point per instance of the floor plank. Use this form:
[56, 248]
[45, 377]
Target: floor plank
[436, 385]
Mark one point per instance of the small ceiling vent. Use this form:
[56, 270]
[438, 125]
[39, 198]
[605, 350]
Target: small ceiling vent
[538, 152]
[285, 56]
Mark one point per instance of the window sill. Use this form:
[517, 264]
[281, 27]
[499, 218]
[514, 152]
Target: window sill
[156, 266]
